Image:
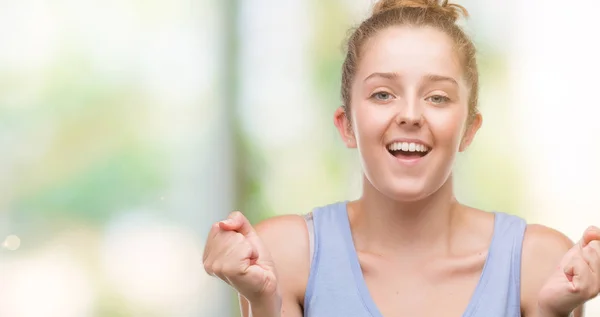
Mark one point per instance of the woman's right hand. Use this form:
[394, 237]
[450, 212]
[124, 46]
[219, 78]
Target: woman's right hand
[235, 253]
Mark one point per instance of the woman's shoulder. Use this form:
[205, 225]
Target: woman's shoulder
[286, 238]
[545, 241]
[541, 244]
[543, 249]
[290, 237]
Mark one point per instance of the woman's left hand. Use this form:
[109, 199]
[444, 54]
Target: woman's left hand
[576, 280]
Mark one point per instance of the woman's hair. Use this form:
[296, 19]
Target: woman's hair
[414, 13]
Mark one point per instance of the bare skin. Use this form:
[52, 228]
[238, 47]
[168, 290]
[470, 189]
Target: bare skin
[416, 244]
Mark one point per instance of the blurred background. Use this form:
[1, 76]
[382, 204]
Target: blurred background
[127, 127]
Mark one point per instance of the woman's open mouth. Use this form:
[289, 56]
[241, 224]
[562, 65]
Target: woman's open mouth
[408, 150]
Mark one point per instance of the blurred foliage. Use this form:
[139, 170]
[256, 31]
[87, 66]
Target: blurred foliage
[249, 164]
[94, 160]
[328, 56]
[127, 177]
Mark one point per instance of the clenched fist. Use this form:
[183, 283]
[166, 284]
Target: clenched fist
[576, 280]
[235, 254]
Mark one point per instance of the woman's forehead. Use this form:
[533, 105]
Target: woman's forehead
[410, 51]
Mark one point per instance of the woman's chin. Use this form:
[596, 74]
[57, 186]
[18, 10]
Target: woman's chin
[406, 190]
[410, 192]
[408, 197]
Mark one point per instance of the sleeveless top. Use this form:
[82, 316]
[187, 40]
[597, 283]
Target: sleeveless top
[336, 286]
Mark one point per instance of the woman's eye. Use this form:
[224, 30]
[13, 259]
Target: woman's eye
[438, 99]
[382, 96]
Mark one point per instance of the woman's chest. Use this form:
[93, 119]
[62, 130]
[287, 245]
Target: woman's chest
[443, 287]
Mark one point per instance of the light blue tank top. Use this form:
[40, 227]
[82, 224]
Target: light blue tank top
[336, 286]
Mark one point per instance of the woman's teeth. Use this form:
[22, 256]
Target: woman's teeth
[408, 147]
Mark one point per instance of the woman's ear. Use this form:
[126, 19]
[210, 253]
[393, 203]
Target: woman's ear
[470, 132]
[344, 127]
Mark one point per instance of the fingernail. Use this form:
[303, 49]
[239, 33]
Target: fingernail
[227, 222]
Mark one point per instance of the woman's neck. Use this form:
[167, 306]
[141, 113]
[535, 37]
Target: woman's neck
[381, 225]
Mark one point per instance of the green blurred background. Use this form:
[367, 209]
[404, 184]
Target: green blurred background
[127, 127]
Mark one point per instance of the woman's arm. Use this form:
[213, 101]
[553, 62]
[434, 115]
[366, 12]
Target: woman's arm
[543, 249]
[286, 237]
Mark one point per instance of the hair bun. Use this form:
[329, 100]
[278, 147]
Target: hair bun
[449, 10]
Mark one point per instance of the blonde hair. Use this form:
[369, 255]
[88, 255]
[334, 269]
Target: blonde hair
[417, 13]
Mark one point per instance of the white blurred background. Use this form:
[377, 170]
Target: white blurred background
[127, 127]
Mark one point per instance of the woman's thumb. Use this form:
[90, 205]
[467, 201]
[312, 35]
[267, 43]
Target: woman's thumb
[236, 221]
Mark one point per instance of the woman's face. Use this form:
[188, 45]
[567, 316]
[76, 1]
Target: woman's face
[408, 112]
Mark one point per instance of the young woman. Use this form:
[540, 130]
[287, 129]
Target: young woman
[406, 247]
